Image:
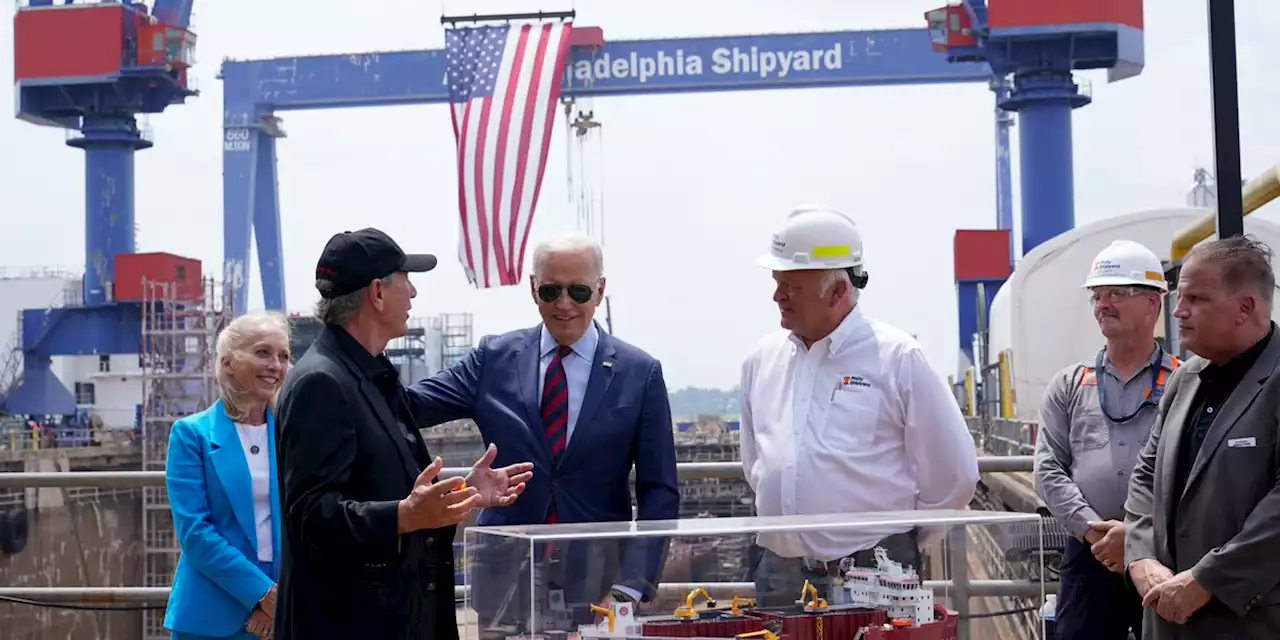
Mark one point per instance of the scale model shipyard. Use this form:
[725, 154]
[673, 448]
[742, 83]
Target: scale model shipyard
[886, 602]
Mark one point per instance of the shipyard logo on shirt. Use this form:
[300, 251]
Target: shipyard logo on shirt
[849, 382]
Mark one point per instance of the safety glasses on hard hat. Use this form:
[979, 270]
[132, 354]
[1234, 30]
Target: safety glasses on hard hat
[579, 293]
[1116, 295]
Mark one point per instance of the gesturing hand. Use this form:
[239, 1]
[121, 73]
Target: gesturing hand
[432, 505]
[498, 487]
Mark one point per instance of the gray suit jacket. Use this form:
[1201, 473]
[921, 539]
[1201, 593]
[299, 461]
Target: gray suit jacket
[1228, 516]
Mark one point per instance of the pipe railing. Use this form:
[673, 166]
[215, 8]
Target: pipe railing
[721, 590]
[959, 590]
[135, 479]
[1264, 188]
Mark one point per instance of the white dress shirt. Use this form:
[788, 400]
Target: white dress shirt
[858, 422]
[577, 370]
[260, 473]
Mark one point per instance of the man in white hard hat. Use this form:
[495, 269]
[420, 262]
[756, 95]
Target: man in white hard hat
[841, 414]
[1094, 420]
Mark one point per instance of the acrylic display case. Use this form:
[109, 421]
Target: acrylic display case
[920, 575]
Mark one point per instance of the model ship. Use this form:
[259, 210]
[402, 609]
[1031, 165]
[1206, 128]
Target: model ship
[885, 602]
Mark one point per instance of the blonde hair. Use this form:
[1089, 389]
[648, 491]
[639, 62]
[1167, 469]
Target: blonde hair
[234, 338]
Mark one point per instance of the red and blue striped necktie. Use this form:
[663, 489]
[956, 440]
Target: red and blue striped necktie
[555, 411]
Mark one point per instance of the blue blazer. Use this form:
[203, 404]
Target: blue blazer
[625, 421]
[218, 580]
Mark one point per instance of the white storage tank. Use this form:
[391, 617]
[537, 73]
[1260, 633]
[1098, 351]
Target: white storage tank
[33, 288]
[1043, 316]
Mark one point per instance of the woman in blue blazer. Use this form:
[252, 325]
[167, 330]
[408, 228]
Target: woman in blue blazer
[221, 477]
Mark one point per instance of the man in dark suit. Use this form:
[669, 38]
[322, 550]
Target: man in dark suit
[368, 531]
[1203, 523]
[585, 407]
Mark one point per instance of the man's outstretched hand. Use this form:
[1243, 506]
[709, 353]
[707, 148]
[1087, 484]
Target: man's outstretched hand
[431, 504]
[498, 487]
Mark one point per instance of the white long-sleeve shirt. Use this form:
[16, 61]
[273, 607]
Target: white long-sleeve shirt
[859, 422]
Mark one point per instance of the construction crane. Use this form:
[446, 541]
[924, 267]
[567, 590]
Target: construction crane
[1034, 46]
[686, 610]
[91, 68]
[256, 91]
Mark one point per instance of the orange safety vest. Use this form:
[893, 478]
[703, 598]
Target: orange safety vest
[1089, 377]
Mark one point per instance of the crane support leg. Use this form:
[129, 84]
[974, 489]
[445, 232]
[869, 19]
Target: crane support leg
[1043, 100]
[251, 208]
[109, 142]
[266, 226]
[1004, 164]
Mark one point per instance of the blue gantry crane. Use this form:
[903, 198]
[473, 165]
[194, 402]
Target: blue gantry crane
[91, 68]
[1033, 46]
[256, 91]
[1024, 50]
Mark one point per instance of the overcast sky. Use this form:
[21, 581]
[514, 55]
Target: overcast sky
[693, 184]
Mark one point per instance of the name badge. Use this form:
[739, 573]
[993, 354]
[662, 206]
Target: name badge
[1243, 443]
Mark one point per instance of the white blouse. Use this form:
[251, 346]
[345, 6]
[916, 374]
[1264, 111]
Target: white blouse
[254, 440]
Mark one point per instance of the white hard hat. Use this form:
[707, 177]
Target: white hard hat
[814, 237]
[1125, 262]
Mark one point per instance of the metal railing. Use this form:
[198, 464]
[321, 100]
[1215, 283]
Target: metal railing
[137, 479]
[1003, 436]
[20, 442]
[960, 588]
[719, 590]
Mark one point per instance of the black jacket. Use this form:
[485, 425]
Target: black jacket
[347, 454]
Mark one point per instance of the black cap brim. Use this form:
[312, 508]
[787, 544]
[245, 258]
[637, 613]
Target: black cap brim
[419, 262]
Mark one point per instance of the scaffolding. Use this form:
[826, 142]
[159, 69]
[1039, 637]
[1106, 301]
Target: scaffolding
[455, 337]
[177, 358]
[409, 353]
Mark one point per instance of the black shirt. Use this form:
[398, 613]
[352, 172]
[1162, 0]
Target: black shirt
[1217, 381]
[383, 374]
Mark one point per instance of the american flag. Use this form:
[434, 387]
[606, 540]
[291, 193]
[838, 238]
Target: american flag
[504, 85]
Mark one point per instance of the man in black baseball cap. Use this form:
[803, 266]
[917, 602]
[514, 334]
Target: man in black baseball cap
[364, 515]
[353, 259]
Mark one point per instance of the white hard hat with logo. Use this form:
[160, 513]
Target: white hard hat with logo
[815, 237]
[1125, 262]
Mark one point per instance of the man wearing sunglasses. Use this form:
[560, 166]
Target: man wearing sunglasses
[1094, 420]
[586, 408]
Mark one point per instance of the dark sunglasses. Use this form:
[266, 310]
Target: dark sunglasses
[579, 293]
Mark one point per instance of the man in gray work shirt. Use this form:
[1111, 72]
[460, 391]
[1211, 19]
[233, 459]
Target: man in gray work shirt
[1094, 420]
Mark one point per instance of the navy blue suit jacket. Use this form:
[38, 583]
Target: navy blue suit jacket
[625, 421]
